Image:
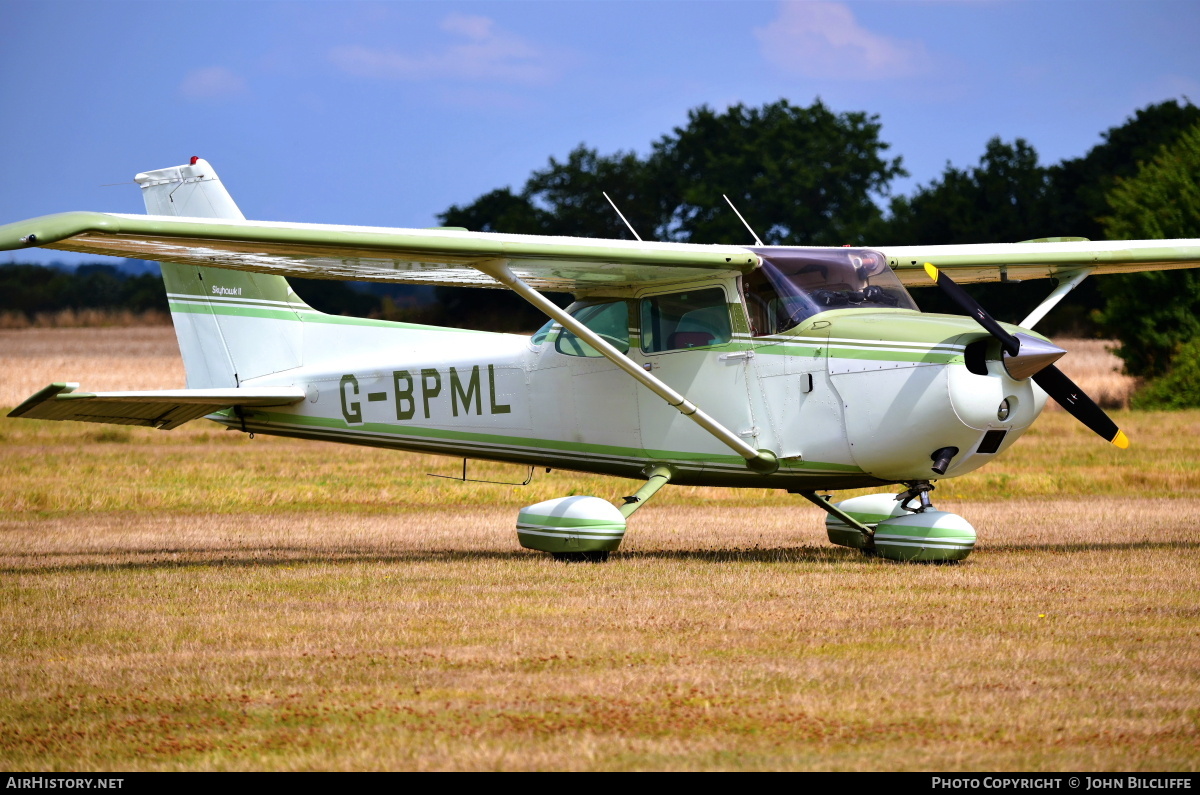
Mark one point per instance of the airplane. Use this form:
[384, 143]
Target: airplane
[799, 368]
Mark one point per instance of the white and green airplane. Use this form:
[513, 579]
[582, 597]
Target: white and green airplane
[798, 368]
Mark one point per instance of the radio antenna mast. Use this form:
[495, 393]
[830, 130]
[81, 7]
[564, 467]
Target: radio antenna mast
[743, 220]
[622, 217]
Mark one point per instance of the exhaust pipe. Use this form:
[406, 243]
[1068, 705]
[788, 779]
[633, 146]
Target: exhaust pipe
[941, 459]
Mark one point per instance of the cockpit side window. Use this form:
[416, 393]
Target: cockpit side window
[794, 284]
[692, 319]
[609, 319]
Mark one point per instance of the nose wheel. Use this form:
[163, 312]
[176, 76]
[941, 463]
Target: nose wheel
[901, 527]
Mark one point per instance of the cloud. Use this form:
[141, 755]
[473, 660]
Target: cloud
[484, 54]
[820, 39]
[212, 83]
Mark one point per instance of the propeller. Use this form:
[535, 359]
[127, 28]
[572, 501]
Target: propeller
[1028, 357]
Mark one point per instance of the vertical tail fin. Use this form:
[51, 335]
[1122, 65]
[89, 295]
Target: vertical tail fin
[231, 326]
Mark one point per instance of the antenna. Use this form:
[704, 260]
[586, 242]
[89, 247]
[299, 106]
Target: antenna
[627, 224]
[743, 220]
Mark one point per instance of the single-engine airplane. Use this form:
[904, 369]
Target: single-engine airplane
[799, 368]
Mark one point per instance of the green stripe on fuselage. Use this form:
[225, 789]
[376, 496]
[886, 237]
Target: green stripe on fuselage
[524, 444]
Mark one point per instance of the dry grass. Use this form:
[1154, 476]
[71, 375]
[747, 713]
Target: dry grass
[717, 640]
[195, 600]
[139, 357]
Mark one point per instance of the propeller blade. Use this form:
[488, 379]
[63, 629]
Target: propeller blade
[969, 305]
[1079, 405]
[1047, 376]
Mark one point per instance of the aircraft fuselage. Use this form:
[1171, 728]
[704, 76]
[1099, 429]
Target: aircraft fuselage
[847, 398]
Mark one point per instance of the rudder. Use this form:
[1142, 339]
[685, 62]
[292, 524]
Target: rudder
[232, 326]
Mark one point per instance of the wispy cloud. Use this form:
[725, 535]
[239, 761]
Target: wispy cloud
[823, 40]
[482, 54]
[212, 83]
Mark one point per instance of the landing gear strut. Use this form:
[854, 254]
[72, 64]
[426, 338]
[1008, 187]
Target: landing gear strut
[917, 489]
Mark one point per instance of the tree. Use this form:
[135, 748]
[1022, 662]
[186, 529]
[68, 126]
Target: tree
[1154, 314]
[1180, 387]
[802, 175]
[498, 211]
[572, 194]
[1000, 200]
[1080, 187]
[799, 175]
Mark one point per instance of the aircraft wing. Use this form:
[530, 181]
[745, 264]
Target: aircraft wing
[996, 262]
[447, 256]
[165, 409]
[360, 253]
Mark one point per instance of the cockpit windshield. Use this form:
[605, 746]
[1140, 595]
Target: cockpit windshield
[794, 284]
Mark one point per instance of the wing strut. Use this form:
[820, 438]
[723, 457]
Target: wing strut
[762, 461]
[1065, 285]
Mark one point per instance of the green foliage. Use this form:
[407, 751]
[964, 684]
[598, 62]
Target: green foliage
[1080, 187]
[807, 175]
[1163, 200]
[498, 211]
[1180, 387]
[1154, 314]
[571, 194]
[1002, 200]
[799, 175]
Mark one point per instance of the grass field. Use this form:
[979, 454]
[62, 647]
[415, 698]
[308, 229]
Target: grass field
[196, 600]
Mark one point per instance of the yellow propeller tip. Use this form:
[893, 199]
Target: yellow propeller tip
[1121, 440]
[932, 271]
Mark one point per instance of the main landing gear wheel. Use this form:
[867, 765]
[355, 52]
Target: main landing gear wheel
[599, 556]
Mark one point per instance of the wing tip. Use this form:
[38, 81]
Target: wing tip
[42, 395]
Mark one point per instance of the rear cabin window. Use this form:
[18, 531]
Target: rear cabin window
[609, 319]
[694, 319]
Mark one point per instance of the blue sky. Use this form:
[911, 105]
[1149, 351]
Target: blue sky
[385, 113]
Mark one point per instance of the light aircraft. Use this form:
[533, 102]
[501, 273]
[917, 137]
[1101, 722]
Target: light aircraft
[797, 368]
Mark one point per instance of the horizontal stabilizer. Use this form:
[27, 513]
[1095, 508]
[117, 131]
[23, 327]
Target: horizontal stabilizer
[164, 409]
